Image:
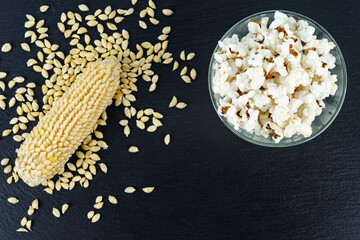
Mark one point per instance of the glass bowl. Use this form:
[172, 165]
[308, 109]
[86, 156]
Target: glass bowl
[332, 103]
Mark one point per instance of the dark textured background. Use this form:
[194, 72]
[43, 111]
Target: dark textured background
[209, 183]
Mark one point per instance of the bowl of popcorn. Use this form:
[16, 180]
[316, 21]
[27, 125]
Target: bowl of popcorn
[277, 79]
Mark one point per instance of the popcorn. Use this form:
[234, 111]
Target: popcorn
[273, 81]
[256, 77]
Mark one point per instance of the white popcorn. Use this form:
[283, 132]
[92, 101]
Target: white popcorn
[273, 81]
[256, 76]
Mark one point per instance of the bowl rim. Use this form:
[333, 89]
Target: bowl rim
[273, 144]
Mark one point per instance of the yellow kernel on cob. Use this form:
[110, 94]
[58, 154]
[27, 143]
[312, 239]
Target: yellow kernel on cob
[65, 126]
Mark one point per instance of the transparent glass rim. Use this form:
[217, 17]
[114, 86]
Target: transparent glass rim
[303, 140]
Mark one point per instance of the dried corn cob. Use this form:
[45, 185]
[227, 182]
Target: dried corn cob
[71, 119]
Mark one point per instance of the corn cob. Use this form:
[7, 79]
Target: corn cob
[72, 118]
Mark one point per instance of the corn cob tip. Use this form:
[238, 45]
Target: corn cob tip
[30, 179]
[111, 60]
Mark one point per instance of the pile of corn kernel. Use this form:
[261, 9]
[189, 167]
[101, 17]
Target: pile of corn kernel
[59, 71]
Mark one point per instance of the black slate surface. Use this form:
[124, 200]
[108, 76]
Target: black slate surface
[209, 183]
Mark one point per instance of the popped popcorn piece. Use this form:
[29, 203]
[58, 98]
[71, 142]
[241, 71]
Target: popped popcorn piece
[273, 81]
